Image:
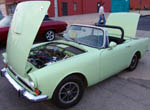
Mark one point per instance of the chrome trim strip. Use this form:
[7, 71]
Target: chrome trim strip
[20, 89]
[18, 76]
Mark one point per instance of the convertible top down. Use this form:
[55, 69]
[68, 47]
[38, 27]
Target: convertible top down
[61, 69]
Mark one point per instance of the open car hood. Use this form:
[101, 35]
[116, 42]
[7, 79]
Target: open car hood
[127, 21]
[25, 24]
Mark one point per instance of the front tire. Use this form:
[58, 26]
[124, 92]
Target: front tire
[134, 62]
[69, 92]
[50, 35]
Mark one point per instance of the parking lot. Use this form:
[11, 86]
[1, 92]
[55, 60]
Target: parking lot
[125, 91]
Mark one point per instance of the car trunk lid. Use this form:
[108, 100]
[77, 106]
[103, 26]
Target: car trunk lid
[127, 21]
[25, 24]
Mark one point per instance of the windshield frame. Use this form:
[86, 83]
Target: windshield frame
[88, 26]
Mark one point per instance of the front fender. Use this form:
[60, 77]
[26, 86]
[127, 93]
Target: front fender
[49, 77]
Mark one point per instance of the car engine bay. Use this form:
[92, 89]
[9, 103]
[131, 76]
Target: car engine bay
[48, 54]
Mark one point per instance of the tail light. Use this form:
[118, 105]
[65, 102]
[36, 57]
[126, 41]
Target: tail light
[37, 92]
[6, 65]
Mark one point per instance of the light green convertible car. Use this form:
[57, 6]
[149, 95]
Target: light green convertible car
[60, 70]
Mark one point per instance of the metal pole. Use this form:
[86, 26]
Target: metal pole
[140, 1]
[56, 8]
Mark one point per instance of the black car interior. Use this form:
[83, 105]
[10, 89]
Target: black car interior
[112, 37]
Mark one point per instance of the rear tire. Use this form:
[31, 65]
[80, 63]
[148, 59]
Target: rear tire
[134, 62]
[69, 92]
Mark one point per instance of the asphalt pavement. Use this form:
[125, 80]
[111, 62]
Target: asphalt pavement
[125, 91]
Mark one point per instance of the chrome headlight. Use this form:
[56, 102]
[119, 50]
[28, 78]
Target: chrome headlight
[31, 82]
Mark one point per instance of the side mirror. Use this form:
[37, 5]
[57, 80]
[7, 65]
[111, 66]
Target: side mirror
[112, 45]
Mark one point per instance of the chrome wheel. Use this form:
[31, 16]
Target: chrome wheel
[69, 92]
[50, 35]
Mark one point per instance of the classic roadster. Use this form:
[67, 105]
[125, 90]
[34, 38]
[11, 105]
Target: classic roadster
[61, 69]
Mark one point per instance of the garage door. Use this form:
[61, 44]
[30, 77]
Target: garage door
[120, 5]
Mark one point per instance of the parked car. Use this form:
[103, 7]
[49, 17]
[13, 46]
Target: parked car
[48, 29]
[60, 70]
[1, 15]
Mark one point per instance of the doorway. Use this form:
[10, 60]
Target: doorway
[98, 5]
[64, 8]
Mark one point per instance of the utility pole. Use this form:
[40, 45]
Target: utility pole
[56, 8]
[140, 2]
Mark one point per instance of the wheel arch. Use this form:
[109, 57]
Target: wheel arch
[80, 75]
[50, 30]
[131, 67]
[138, 54]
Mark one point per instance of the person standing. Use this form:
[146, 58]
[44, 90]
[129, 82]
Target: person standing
[102, 19]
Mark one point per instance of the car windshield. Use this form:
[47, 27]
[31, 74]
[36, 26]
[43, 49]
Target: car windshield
[5, 21]
[85, 35]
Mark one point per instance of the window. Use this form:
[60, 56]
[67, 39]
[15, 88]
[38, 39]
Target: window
[75, 6]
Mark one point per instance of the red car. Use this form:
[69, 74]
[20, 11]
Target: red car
[47, 30]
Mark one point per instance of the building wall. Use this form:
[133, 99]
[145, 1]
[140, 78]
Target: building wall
[120, 5]
[51, 10]
[107, 5]
[83, 6]
[10, 3]
[74, 6]
[139, 4]
[90, 6]
[70, 7]
[2, 1]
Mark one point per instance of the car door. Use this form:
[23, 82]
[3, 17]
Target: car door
[113, 60]
[118, 58]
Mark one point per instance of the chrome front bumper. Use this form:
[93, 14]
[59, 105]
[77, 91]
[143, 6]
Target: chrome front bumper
[21, 90]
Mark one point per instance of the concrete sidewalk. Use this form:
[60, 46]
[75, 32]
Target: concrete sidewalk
[90, 18]
[81, 19]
